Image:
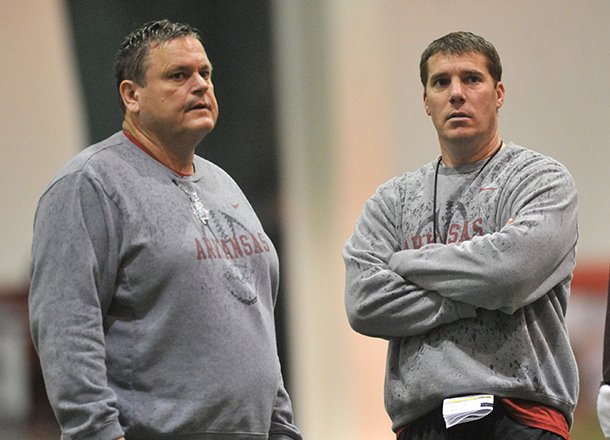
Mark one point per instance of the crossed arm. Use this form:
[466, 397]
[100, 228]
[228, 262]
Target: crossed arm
[379, 301]
[392, 292]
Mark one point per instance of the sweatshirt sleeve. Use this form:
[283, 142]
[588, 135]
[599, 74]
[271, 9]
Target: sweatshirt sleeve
[379, 302]
[522, 261]
[72, 278]
[282, 422]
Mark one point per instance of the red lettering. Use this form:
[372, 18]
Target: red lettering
[257, 247]
[233, 247]
[417, 241]
[226, 250]
[454, 233]
[261, 237]
[476, 226]
[244, 243]
[236, 248]
[217, 247]
[465, 236]
[200, 253]
[209, 248]
[429, 238]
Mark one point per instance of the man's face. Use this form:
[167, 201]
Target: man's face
[462, 98]
[177, 103]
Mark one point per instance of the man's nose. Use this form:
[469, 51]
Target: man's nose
[456, 92]
[201, 83]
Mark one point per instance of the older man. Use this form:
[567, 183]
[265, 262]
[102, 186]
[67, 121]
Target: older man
[153, 283]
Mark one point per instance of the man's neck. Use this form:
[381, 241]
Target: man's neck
[179, 160]
[463, 153]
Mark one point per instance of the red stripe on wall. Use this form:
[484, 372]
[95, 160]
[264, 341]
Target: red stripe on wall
[591, 279]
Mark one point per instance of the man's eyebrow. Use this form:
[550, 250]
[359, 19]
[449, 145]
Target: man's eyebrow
[466, 72]
[188, 66]
[438, 75]
[473, 72]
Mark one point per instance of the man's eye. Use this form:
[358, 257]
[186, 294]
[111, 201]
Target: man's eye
[178, 76]
[473, 79]
[440, 82]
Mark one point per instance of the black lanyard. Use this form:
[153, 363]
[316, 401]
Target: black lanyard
[438, 164]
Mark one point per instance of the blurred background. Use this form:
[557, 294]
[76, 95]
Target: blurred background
[320, 102]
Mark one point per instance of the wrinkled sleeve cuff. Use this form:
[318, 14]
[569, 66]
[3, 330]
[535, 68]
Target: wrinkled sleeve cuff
[110, 430]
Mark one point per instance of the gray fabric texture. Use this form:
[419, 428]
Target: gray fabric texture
[483, 309]
[147, 321]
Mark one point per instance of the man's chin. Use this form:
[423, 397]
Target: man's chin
[203, 128]
[460, 137]
[463, 131]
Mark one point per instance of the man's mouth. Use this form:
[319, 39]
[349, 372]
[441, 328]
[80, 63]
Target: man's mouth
[199, 106]
[458, 115]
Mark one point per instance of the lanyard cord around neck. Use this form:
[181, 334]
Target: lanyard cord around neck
[438, 165]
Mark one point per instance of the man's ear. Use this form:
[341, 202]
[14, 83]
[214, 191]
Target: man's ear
[129, 94]
[500, 91]
[426, 104]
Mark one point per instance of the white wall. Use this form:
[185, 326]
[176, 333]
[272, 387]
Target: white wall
[40, 128]
[40, 121]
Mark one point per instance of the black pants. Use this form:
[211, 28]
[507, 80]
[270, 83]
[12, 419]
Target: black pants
[495, 426]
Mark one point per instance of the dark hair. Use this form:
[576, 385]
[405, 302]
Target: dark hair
[130, 60]
[458, 43]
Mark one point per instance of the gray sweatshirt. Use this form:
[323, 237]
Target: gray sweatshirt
[483, 310]
[147, 321]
